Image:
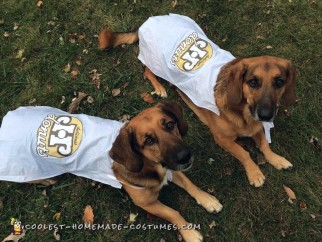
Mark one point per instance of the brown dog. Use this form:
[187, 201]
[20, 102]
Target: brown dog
[148, 152]
[246, 91]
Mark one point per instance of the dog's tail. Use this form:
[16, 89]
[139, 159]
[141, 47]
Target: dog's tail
[107, 38]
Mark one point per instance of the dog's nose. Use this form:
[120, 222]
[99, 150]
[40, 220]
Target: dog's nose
[184, 157]
[266, 113]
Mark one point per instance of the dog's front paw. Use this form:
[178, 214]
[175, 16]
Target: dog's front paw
[160, 91]
[191, 235]
[209, 202]
[255, 177]
[279, 162]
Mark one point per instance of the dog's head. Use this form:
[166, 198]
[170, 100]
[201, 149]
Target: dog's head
[261, 83]
[154, 135]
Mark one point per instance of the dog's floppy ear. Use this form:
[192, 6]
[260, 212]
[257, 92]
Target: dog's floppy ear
[232, 77]
[174, 110]
[124, 151]
[289, 96]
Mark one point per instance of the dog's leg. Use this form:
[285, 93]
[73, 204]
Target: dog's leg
[147, 200]
[158, 88]
[209, 202]
[254, 174]
[275, 160]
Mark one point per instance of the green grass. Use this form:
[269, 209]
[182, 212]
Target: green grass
[246, 28]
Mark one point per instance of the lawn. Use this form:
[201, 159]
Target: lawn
[48, 54]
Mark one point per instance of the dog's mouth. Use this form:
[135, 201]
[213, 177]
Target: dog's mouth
[179, 166]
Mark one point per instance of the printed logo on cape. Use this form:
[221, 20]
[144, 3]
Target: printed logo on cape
[192, 53]
[59, 136]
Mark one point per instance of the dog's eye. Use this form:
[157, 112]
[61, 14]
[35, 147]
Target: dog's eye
[253, 83]
[170, 125]
[149, 141]
[279, 82]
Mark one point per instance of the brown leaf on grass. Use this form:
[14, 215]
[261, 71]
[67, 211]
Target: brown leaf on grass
[315, 141]
[57, 216]
[132, 218]
[67, 68]
[147, 97]
[76, 101]
[174, 3]
[88, 216]
[81, 36]
[56, 235]
[78, 62]
[124, 118]
[14, 237]
[212, 225]
[116, 92]
[15, 26]
[1, 21]
[6, 34]
[95, 77]
[74, 73]
[125, 85]
[303, 206]
[90, 99]
[290, 194]
[39, 4]
[72, 38]
[283, 233]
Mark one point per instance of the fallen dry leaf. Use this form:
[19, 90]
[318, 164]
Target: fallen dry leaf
[78, 62]
[20, 54]
[88, 216]
[14, 237]
[90, 100]
[74, 73]
[76, 101]
[6, 34]
[67, 68]
[315, 141]
[72, 38]
[56, 235]
[147, 97]
[313, 216]
[283, 233]
[125, 118]
[1, 21]
[132, 218]
[81, 36]
[40, 4]
[57, 216]
[61, 40]
[303, 205]
[174, 3]
[63, 99]
[15, 26]
[212, 225]
[210, 161]
[95, 77]
[116, 92]
[269, 47]
[290, 194]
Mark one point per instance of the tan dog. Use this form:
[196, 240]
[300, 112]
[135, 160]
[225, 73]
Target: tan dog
[247, 92]
[144, 151]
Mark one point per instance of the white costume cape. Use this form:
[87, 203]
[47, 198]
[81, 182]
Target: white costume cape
[175, 48]
[42, 142]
